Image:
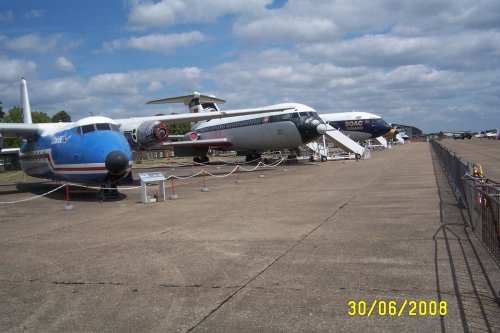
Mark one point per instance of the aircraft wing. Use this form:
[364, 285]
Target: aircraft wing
[18, 130]
[208, 143]
[191, 117]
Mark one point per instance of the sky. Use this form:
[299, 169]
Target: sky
[433, 64]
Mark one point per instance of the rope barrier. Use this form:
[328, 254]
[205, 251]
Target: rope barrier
[31, 198]
[181, 165]
[237, 168]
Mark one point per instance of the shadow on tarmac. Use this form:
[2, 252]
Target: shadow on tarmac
[476, 295]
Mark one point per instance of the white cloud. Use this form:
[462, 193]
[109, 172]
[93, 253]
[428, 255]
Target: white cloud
[64, 65]
[35, 13]
[462, 51]
[155, 86]
[164, 13]
[165, 43]
[286, 29]
[14, 69]
[31, 43]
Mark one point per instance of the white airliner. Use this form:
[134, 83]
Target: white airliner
[249, 135]
[359, 126]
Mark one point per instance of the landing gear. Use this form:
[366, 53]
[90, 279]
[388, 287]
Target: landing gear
[322, 158]
[252, 157]
[108, 192]
[201, 159]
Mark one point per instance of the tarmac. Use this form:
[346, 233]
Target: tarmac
[286, 250]
[478, 150]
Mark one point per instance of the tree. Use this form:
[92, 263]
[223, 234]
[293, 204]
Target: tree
[40, 117]
[61, 116]
[178, 129]
[15, 115]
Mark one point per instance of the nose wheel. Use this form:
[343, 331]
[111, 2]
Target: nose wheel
[109, 191]
[201, 159]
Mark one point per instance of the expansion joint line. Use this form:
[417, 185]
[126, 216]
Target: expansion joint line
[291, 248]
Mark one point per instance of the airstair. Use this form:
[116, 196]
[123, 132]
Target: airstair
[340, 140]
[399, 139]
[382, 141]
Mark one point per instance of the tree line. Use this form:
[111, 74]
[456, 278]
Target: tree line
[15, 115]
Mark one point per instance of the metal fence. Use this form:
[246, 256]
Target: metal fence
[481, 196]
[482, 201]
[453, 165]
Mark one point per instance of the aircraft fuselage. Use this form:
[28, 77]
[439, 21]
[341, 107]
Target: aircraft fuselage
[275, 130]
[358, 126]
[79, 152]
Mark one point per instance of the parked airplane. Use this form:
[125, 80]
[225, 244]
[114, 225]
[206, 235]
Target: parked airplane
[493, 134]
[359, 126]
[248, 135]
[91, 150]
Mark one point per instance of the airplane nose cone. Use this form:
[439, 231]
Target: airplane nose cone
[321, 128]
[116, 162]
[391, 134]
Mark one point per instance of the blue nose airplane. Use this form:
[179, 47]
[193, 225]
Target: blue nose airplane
[91, 150]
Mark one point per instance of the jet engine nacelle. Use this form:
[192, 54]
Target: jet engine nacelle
[149, 133]
[190, 136]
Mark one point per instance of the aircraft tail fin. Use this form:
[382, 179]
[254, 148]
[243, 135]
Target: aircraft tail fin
[25, 103]
[196, 102]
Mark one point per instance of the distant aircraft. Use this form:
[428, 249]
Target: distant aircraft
[93, 149]
[248, 135]
[359, 126]
[462, 135]
[493, 134]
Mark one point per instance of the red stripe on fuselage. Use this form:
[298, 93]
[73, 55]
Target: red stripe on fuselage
[34, 157]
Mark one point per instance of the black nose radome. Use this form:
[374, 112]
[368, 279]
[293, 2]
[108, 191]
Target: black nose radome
[116, 162]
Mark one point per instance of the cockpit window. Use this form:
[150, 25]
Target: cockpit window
[88, 128]
[114, 127]
[303, 114]
[102, 127]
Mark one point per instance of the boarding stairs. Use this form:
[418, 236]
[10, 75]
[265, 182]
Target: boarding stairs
[339, 139]
[399, 139]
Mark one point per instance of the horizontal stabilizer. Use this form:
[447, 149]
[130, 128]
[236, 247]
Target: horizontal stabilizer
[19, 130]
[187, 99]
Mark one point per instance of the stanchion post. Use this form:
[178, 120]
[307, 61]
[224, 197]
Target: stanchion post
[238, 181]
[204, 188]
[173, 196]
[261, 175]
[68, 206]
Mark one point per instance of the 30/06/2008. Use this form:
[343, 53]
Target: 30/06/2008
[393, 308]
